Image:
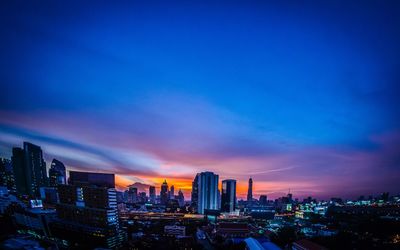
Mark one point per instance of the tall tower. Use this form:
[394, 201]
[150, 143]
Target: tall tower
[29, 169]
[228, 197]
[172, 192]
[132, 194]
[195, 193]
[181, 198]
[152, 194]
[207, 191]
[250, 190]
[164, 193]
[6, 174]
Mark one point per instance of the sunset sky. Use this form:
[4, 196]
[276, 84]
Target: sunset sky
[300, 96]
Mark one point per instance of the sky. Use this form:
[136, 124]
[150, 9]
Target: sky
[299, 95]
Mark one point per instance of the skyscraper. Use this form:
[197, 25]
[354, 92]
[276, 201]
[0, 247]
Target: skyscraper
[207, 191]
[29, 169]
[164, 193]
[250, 191]
[87, 212]
[57, 173]
[195, 194]
[132, 194]
[228, 197]
[181, 198]
[263, 200]
[172, 192]
[152, 194]
[6, 174]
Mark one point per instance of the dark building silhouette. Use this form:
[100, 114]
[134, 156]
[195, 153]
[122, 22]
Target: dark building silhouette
[250, 190]
[88, 178]
[181, 198]
[195, 194]
[57, 173]
[87, 212]
[6, 174]
[152, 194]
[18, 165]
[164, 197]
[132, 194]
[263, 200]
[29, 169]
[172, 192]
[228, 197]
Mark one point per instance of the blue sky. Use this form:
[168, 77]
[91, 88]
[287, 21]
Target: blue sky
[307, 87]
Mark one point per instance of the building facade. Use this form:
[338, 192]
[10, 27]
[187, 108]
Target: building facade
[6, 174]
[57, 173]
[87, 212]
[207, 191]
[164, 194]
[29, 169]
[228, 197]
[152, 194]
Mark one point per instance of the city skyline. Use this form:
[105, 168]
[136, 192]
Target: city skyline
[299, 97]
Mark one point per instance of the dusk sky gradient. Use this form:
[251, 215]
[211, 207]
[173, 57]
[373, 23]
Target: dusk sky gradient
[296, 94]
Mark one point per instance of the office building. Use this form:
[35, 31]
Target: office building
[142, 198]
[6, 174]
[228, 197]
[172, 192]
[194, 194]
[57, 173]
[29, 169]
[164, 197]
[152, 194]
[87, 212]
[250, 191]
[132, 194]
[181, 198]
[207, 191]
[263, 200]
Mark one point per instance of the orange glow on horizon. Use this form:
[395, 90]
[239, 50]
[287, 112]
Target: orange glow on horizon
[185, 184]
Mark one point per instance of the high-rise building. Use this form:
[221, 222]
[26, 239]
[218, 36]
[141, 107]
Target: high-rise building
[250, 191]
[207, 191]
[263, 200]
[152, 194]
[142, 198]
[6, 174]
[132, 194]
[218, 199]
[29, 169]
[164, 193]
[195, 194]
[57, 173]
[290, 196]
[172, 192]
[228, 197]
[19, 169]
[87, 212]
[181, 198]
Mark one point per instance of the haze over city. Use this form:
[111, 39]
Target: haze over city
[297, 96]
